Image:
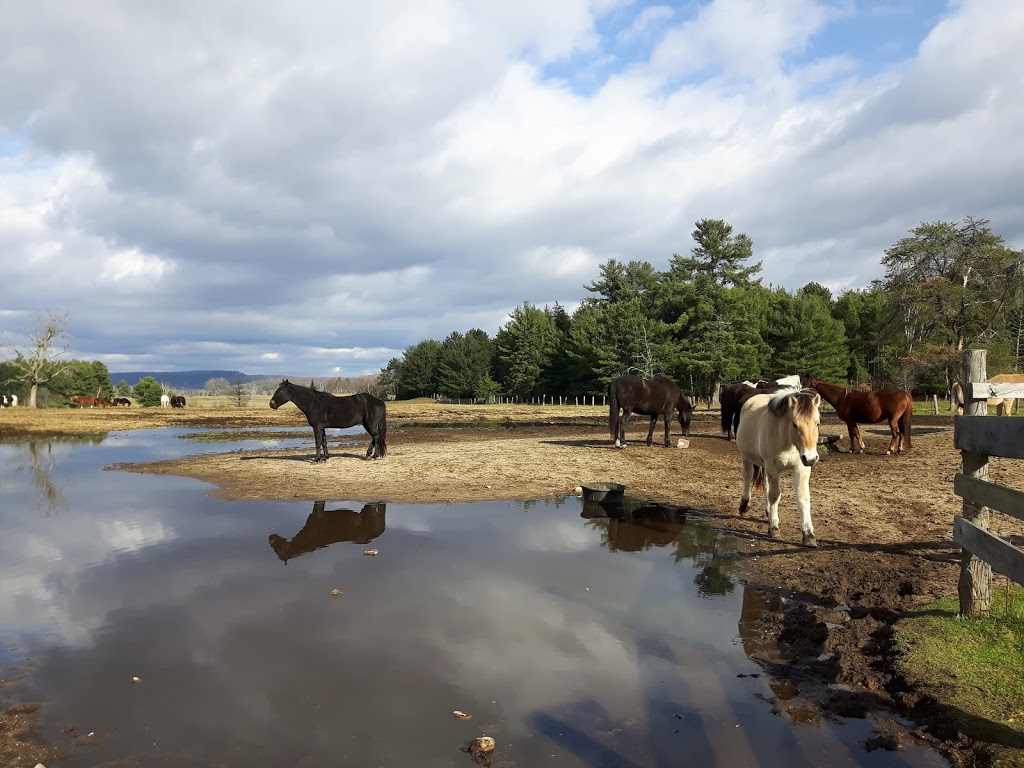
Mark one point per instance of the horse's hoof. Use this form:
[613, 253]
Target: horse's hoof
[744, 505]
[773, 533]
[809, 540]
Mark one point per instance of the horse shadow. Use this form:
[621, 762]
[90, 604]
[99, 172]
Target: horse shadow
[303, 457]
[325, 526]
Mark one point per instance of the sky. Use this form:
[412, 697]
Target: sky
[310, 188]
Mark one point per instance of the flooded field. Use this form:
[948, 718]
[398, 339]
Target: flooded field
[163, 627]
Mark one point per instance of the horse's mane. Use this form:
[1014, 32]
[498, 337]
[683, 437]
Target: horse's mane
[803, 404]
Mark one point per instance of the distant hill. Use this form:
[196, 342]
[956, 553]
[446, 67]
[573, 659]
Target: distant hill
[184, 380]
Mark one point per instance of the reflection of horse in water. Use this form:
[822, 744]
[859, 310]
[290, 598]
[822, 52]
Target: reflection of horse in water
[326, 526]
[651, 525]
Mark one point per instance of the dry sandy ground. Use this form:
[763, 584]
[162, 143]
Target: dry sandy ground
[883, 523]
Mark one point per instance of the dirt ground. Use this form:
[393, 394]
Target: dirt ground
[883, 523]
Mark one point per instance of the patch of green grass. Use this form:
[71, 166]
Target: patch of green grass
[974, 668]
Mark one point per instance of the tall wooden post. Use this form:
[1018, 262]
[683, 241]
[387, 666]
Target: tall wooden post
[975, 584]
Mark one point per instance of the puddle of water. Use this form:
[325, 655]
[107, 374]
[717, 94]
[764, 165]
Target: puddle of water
[572, 636]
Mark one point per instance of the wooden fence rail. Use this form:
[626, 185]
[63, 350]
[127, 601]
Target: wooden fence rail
[979, 436]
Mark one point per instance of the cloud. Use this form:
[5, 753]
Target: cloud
[201, 186]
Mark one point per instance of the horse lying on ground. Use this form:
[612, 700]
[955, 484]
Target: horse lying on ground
[779, 432]
[654, 397]
[323, 410]
[895, 406]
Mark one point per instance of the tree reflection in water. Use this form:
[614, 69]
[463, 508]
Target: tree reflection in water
[36, 457]
[328, 526]
[632, 527]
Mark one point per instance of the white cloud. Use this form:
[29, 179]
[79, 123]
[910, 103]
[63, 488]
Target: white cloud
[336, 191]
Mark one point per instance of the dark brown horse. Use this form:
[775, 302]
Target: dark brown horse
[324, 410]
[733, 396]
[890, 404]
[327, 526]
[653, 397]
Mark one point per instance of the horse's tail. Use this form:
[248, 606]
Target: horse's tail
[905, 425]
[380, 416]
[613, 413]
[758, 479]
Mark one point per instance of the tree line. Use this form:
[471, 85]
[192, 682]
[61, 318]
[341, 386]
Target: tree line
[708, 319]
[705, 320]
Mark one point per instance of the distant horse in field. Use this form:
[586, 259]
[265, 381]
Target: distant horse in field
[165, 400]
[323, 410]
[102, 402]
[83, 400]
[853, 407]
[328, 526]
[733, 396]
[177, 401]
[654, 397]
[122, 401]
[779, 432]
[8, 401]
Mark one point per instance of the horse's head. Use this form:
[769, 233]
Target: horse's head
[807, 381]
[800, 409]
[282, 395]
[685, 409]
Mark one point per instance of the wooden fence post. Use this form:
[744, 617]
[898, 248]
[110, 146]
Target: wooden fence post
[975, 584]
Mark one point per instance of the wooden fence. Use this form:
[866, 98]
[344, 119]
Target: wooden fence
[979, 436]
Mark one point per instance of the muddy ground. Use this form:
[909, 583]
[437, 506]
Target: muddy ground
[883, 523]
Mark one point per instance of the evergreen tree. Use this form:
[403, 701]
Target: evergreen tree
[419, 370]
[525, 348]
[147, 391]
[464, 364]
[805, 338]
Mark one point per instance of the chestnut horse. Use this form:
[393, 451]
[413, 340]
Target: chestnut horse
[779, 432]
[890, 404]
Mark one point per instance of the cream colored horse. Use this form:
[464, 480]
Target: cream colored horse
[779, 432]
[1005, 406]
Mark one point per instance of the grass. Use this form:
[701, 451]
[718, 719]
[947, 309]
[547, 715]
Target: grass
[974, 668]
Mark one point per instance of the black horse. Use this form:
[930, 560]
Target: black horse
[328, 526]
[652, 397]
[323, 410]
[732, 398]
[177, 401]
[122, 401]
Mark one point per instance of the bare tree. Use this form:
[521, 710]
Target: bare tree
[241, 391]
[37, 360]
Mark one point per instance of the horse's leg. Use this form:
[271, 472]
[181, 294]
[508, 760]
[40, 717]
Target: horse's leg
[650, 432]
[772, 492]
[622, 428]
[802, 486]
[856, 444]
[323, 442]
[895, 443]
[748, 476]
[667, 415]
